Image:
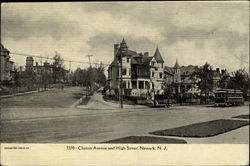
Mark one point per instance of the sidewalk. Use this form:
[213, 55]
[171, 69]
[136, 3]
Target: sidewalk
[98, 103]
[24, 93]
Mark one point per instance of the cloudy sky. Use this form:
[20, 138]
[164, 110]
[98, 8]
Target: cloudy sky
[192, 32]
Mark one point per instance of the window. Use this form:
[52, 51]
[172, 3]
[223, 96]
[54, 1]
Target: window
[124, 84]
[127, 60]
[160, 75]
[134, 85]
[153, 63]
[153, 74]
[162, 65]
[141, 86]
[124, 71]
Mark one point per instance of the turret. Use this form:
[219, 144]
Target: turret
[177, 72]
[29, 63]
[123, 46]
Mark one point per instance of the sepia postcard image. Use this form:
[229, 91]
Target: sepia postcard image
[125, 73]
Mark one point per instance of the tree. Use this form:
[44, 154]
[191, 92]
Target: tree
[58, 68]
[27, 79]
[100, 77]
[239, 79]
[204, 77]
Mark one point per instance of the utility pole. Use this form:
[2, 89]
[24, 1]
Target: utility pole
[121, 81]
[89, 59]
[122, 50]
[90, 77]
[69, 65]
[41, 60]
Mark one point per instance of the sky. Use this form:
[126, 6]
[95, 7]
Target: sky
[192, 32]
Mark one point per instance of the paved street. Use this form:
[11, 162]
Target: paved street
[89, 125]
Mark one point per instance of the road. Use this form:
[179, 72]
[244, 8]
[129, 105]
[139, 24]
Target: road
[54, 120]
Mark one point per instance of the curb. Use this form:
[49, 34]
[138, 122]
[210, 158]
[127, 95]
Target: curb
[75, 105]
[24, 93]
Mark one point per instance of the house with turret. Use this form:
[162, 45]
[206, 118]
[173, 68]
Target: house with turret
[177, 79]
[142, 74]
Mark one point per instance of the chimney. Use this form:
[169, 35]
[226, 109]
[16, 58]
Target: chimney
[146, 54]
[116, 48]
[222, 72]
[218, 70]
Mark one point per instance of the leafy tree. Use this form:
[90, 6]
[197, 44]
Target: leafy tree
[90, 77]
[99, 75]
[45, 79]
[27, 79]
[239, 80]
[59, 71]
[204, 78]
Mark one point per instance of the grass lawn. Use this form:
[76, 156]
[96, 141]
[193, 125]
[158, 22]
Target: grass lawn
[147, 139]
[242, 117]
[204, 129]
[46, 99]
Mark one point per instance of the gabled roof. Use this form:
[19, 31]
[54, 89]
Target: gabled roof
[169, 70]
[141, 60]
[158, 56]
[5, 52]
[131, 53]
[114, 63]
[185, 70]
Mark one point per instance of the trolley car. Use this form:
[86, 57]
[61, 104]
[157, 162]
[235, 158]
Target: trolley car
[228, 97]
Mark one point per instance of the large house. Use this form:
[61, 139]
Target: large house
[6, 65]
[38, 69]
[177, 79]
[145, 75]
[142, 74]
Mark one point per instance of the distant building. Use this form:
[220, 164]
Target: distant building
[6, 65]
[142, 74]
[178, 79]
[38, 69]
[217, 75]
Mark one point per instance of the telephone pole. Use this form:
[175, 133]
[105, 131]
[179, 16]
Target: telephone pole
[69, 65]
[123, 49]
[90, 74]
[121, 81]
[89, 59]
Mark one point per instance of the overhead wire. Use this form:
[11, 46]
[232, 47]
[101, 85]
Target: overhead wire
[70, 61]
